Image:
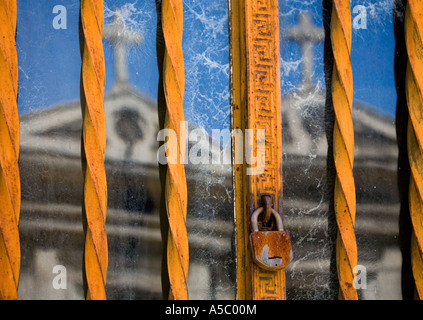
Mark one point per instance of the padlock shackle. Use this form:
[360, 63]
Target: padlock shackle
[258, 211]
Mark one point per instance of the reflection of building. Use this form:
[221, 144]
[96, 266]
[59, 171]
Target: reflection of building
[51, 221]
[51, 174]
[306, 193]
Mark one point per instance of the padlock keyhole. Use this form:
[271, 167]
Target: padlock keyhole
[272, 258]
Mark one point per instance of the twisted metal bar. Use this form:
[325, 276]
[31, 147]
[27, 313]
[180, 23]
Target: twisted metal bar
[414, 85]
[175, 185]
[94, 139]
[343, 148]
[10, 189]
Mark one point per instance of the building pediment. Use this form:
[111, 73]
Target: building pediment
[131, 124]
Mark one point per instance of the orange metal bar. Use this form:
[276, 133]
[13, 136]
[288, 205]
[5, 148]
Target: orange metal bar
[175, 185]
[10, 189]
[238, 98]
[343, 148]
[414, 85]
[94, 139]
[263, 89]
[255, 86]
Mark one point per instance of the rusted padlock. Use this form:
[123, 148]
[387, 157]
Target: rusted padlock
[271, 249]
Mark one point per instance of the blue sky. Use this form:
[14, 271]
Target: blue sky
[50, 60]
[372, 53]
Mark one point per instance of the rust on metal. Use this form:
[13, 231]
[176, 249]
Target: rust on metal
[10, 188]
[263, 112]
[271, 249]
[343, 148]
[413, 26]
[94, 141]
[267, 204]
[238, 110]
[175, 184]
[255, 91]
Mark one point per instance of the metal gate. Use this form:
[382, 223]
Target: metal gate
[186, 149]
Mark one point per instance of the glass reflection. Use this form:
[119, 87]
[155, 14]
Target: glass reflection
[210, 191]
[308, 118]
[51, 225]
[51, 173]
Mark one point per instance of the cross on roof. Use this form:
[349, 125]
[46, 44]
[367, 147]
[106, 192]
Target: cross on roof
[120, 36]
[307, 34]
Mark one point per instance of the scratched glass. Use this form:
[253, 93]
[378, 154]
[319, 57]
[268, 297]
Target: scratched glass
[309, 171]
[52, 221]
[210, 189]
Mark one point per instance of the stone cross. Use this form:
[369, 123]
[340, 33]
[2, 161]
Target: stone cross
[307, 35]
[120, 36]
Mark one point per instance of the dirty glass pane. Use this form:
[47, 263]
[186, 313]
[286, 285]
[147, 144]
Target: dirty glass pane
[308, 167]
[51, 174]
[209, 170]
[51, 226]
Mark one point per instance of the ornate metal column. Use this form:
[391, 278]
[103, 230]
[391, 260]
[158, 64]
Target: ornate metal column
[94, 142]
[343, 147]
[255, 87]
[175, 184]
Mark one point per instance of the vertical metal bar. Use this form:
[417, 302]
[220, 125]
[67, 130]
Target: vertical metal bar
[94, 140]
[263, 81]
[10, 188]
[238, 97]
[414, 85]
[175, 184]
[256, 105]
[343, 148]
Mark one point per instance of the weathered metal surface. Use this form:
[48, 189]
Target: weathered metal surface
[175, 185]
[271, 249]
[267, 205]
[263, 90]
[238, 96]
[343, 148]
[414, 85]
[10, 188]
[255, 87]
[94, 141]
